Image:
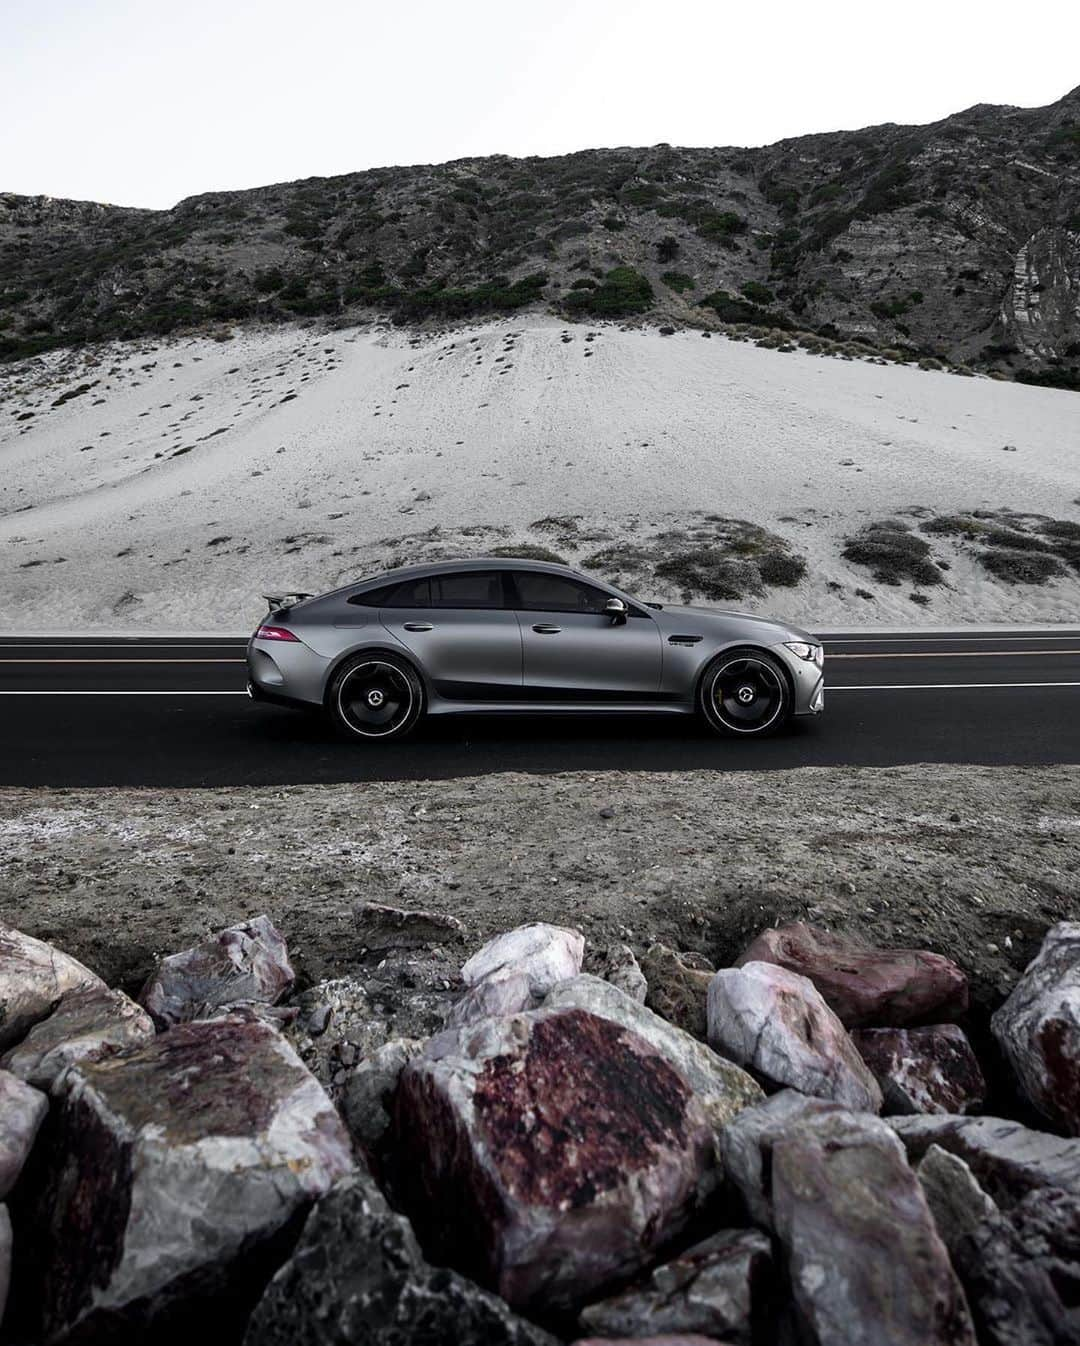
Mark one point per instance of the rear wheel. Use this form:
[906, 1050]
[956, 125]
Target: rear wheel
[376, 696]
[745, 693]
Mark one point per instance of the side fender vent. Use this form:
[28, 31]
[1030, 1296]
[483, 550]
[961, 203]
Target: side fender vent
[684, 640]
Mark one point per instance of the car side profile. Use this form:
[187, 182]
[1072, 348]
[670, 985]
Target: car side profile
[498, 635]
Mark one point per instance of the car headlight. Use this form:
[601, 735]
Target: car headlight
[813, 654]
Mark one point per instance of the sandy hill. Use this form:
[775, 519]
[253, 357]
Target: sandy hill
[959, 241]
[163, 484]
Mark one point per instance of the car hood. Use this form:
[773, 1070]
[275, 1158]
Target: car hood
[736, 624]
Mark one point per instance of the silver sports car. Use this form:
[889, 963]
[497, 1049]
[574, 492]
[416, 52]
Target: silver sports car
[513, 635]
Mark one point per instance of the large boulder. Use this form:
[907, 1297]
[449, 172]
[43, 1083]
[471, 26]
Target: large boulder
[5, 1260]
[22, 1110]
[775, 1023]
[923, 1069]
[718, 1288]
[382, 927]
[865, 1262]
[957, 1202]
[244, 962]
[33, 977]
[549, 1153]
[357, 1275]
[367, 1103]
[678, 987]
[1008, 1160]
[490, 998]
[174, 1175]
[1038, 1027]
[722, 1088]
[546, 954]
[619, 965]
[746, 1145]
[85, 1025]
[862, 985]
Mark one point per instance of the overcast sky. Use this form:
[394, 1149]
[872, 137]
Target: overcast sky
[143, 102]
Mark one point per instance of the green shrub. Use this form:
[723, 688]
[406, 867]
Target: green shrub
[623, 291]
[266, 282]
[757, 293]
[495, 295]
[1021, 567]
[678, 281]
[667, 249]
[893, 554]
[708, 571]
[584, 283]
[529, 551]
[613, 224]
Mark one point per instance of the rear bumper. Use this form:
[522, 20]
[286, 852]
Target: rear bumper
[286, 673]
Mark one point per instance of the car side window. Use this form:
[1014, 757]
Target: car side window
[541, 592]
[470, 589]
[407, 594]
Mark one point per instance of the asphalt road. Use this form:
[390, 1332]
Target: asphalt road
[173, 712]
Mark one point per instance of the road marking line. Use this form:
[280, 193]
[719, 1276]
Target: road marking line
[939, 640]
[155, 693]
[179, 662]
[954, 654]
[939, 686]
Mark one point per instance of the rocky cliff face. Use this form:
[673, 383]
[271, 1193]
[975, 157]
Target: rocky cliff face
[959, 240]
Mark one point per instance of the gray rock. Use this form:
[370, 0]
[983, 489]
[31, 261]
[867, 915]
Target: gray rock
[1038, 1027]
[618, 965]
[85, 1025]
[382, 927]
[678, 988]
[22, 1110]
[866, 1264]
[723, 1089]
[746, 1145]
[775, 1023]
[174, 1172]
[357, 1275]
[33, 977]
[247, 962]
[678, 1339]
[5, 1260]
[546, 954]
[717, 1288]
[549, 1153]
[1008, 1159]
[1022, 1273]
[368, 1096]
[957, 1202]
[490, 998]
[923, 1069]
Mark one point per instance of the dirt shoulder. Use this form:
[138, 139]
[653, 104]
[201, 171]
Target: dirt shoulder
[974, 862]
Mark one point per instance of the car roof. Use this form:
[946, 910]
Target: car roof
[470, 563]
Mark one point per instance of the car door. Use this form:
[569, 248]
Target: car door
[461, 632]
[572, 648]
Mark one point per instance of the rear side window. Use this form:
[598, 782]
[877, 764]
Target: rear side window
[540, 592]
[471, 589]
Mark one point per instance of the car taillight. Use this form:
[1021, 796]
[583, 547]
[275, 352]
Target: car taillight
[275, 633]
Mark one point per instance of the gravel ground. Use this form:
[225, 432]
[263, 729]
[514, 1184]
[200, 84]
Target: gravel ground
[974, 862]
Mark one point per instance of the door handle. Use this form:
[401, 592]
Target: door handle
[546, 629]
[418, 626]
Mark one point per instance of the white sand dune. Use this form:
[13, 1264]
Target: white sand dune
[193, 473]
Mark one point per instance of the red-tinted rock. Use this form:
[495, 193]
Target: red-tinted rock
[33, 977]
[865, 1261]
[549, 1153]
[22, 1110]
[171, 1177]
[1038, 1027]
[866, 986]
[923, 1069]
[244, 962]
[84, 1025]
[775, 1024]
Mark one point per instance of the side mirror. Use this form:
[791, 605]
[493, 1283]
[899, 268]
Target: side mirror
[617, 610]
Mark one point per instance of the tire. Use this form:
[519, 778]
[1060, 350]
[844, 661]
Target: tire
[376, 696]
[745, 693]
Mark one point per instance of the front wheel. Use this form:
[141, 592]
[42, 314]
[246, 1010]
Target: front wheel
[376, 696]
[744, 693]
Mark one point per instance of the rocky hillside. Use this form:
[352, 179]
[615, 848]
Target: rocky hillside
[957, 241]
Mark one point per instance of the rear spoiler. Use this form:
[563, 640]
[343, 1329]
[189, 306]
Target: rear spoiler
[278, 601]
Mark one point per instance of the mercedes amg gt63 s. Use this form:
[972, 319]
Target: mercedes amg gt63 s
[513, 635]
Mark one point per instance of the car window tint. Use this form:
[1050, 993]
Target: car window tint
[539, 592]
[474, 589]
[407, 594]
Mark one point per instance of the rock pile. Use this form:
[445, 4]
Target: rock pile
[515, 1152]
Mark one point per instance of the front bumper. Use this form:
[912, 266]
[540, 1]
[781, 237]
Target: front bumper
[807, 680]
